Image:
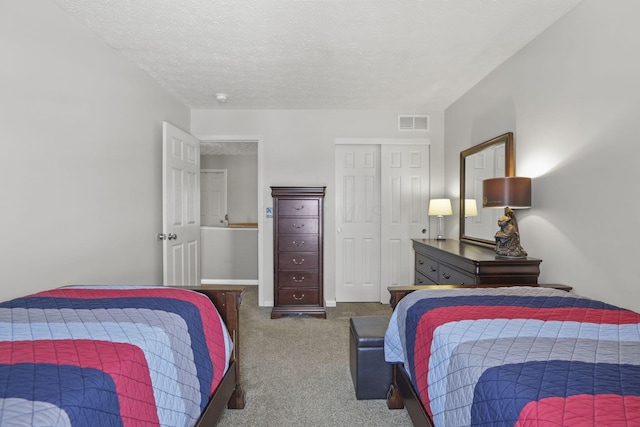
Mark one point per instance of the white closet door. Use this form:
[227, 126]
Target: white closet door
[405, 195]
[382, 194]
[358, 223]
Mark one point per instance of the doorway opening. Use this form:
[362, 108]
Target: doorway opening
[230, 252]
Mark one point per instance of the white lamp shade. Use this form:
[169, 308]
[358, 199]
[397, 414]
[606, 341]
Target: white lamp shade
[470, 207]
[440, 207]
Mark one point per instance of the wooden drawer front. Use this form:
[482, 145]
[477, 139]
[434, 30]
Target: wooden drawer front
[298, 297]
[298, 279]
[427, 267]
[449, 276]
[306, 243]
[421, 279]
[298, 261]
[298, 226]
[301, 207]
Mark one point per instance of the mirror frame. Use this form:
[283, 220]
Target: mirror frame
[509, 168]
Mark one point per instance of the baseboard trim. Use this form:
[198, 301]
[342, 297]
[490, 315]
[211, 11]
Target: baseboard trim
[227, 282]
[330, 303]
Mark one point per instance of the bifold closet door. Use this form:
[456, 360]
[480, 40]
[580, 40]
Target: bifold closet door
[381, 204]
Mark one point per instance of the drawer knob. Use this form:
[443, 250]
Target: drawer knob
[433, 269]
[298, 298]
[421, 262]
[295, 261]
[297, 226]
[298, 244]
[446, 276]
[295, 279]
[298, 208]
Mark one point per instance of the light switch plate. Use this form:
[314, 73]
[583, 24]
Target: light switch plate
[269, 212]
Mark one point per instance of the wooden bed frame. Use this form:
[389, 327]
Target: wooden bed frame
[401, 393]
[227, 299]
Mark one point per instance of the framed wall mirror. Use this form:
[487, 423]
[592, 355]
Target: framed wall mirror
[490, 159]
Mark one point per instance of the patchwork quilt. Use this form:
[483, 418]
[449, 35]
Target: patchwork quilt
[110, 356]
[518, 356]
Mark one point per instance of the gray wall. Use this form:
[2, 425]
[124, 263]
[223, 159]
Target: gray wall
[298, 149]
[572, 98]
[80, 173]
[229, 255]
[242, 185]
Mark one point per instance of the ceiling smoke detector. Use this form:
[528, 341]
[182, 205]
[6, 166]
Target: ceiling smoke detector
[221, 97]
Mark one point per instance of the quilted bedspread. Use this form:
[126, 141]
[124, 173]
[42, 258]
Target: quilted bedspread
[109, 356]
[519, 356]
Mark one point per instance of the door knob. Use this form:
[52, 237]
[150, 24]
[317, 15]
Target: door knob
[172, 236]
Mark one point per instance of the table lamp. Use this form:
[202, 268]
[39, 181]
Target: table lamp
[470, 208]
[510, 193]
[440, 208]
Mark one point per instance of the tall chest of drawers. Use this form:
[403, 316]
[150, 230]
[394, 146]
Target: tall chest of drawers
[297, 251]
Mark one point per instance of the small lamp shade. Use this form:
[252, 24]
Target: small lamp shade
[440, 207]
[470, 207]
[510, 191]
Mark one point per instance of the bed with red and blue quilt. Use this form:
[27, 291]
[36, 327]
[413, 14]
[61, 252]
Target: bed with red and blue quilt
[119, 356]
[514, 356]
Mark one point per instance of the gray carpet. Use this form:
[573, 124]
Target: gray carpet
[295, 370]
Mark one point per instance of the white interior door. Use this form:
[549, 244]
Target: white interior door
[404, 194]
[213, 197]
[357, 223]
[180, 207]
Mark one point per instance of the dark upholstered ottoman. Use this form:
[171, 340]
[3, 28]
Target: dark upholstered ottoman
[370, 373]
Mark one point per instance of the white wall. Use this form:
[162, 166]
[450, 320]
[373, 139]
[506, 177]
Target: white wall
[572, 99]
[298, 149]
[229, 255]
[242, 184]
[80, 177]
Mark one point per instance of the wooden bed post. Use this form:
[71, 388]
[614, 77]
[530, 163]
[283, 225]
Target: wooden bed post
[233, 299]
[394, 398]
[227, 299]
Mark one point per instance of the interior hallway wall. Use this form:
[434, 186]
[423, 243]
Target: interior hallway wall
[242, 184]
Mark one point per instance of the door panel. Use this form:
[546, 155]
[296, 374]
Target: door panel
[358, 223]
[180, 207]
[405, 195]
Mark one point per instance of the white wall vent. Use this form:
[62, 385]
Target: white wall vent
[413, 123]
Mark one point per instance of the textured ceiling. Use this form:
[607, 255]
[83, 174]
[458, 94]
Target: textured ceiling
[235, 148]
[406, 55]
